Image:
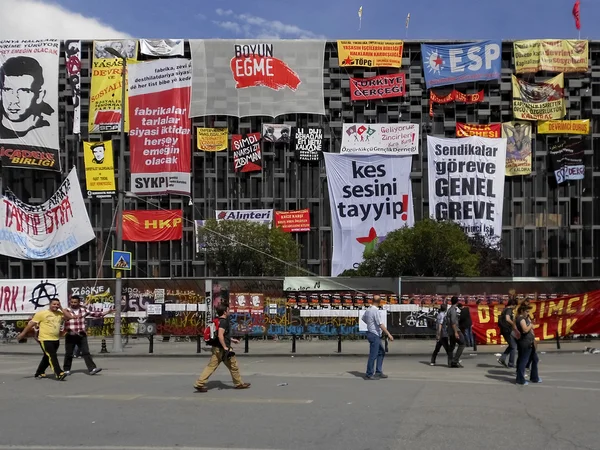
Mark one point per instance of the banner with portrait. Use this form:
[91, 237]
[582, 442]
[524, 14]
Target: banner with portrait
[161, 47]
[105, 92]
[212, 139]
[73, 64]
[276, 133]
[29, 104]
[42, 232]
[539, 101]
[518, 147]
[99, 169]
[266, 77]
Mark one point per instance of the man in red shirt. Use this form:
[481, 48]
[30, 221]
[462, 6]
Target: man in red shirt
[76, 335]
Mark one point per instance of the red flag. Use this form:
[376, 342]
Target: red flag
[576, 15]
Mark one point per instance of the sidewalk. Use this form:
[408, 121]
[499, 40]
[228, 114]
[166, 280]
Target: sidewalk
[268, 348]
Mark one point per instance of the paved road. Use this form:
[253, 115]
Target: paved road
[148, 403]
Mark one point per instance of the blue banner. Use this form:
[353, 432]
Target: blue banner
[461, 63]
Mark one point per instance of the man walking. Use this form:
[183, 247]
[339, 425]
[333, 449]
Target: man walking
[49, 322]
[77, 337]
[454, 333]
[376, 346]
[222, 352]
[441, 335]
[465, 324]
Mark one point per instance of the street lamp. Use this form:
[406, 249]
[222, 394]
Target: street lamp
[117, 342]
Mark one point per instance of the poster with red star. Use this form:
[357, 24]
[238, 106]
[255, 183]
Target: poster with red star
[370, 196]
[370, 53]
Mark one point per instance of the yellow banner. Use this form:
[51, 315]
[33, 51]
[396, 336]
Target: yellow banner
[212, 139]
[551, 55]
[518, 148]
[564, 127]
[539, 101]
[105, 92]
[370, 53]
[99, 169]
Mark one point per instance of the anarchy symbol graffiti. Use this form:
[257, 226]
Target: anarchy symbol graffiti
[42, 294]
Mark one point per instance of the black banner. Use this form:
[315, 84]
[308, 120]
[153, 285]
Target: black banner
[566, 159]
[247, 156]
[308, 143]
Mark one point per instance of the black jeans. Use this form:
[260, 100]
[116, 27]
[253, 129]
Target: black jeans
[50, 358]
[72, 340]
[443, 342]
[461, 346]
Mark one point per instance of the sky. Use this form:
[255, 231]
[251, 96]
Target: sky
[290, 19]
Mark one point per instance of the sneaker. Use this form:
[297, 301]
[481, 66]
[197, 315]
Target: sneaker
[539, 380]
[242, 386]
[432, 364]
[61, 377]
[381, 375]
[95, 371]
[524, 383]
[457, 366]
[41, 376]
[200, 389]
[67, 372]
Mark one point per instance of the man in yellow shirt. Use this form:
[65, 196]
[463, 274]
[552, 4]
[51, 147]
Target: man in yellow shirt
[49, 322]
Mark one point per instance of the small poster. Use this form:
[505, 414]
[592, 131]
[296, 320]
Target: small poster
[247, 156]
[276, 133]
[566, 157]
[308, 143]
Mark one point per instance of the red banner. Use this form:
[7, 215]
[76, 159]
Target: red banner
[153, 226]
[293, 221]
[578, 314]
[493, 130]
[374, 88]
[454, 96]
[159, 127]
[247, 156]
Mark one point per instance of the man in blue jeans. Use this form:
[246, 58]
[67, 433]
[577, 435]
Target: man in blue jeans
[376, 347]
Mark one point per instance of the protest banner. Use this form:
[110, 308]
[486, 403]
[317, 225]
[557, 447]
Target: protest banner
[247, 156]
[29, 104]
[153, 225]
[105, 92]
[378, 87]
[293, 221]
[47, 231]
[266, 77]
[73, 64]
[539, 101]
[276, 133]
[454, 96]
[466, 182]
[518, 147]
[377, 138]
[557, 55]
[375, 53]
[461, 63]
[564, 127]
[307, 143]
[159, 136]
[99, 169]
[212, 139]
[27, 296]
[566, 158]
[369, 196]
[492, 130]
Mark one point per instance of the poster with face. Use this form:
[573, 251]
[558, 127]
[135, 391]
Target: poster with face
[29, 104]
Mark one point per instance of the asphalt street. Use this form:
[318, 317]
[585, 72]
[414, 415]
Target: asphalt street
[301, 403]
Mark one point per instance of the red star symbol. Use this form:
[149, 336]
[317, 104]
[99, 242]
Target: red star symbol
[438, 61]
[369, 241]
[348, 61]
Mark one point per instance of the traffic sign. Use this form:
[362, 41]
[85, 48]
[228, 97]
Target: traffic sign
[121, 260]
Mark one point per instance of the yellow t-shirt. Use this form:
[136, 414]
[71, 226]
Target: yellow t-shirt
[49, 323]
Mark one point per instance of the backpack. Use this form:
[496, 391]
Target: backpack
[210, 332]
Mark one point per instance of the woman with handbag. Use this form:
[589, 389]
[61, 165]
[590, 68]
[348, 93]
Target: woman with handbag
[525, 346]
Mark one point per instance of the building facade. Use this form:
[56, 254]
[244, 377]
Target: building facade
[547, 230]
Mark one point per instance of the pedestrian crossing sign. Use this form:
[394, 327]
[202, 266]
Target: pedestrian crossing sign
[121, 260]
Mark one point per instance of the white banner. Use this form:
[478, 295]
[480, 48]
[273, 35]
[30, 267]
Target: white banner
[264, 216]
[381, 138]
[161, 47]
[370, 195]
[466, 182]
[73, 64]
[47, 231]
[29, 104]
[31, 295]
